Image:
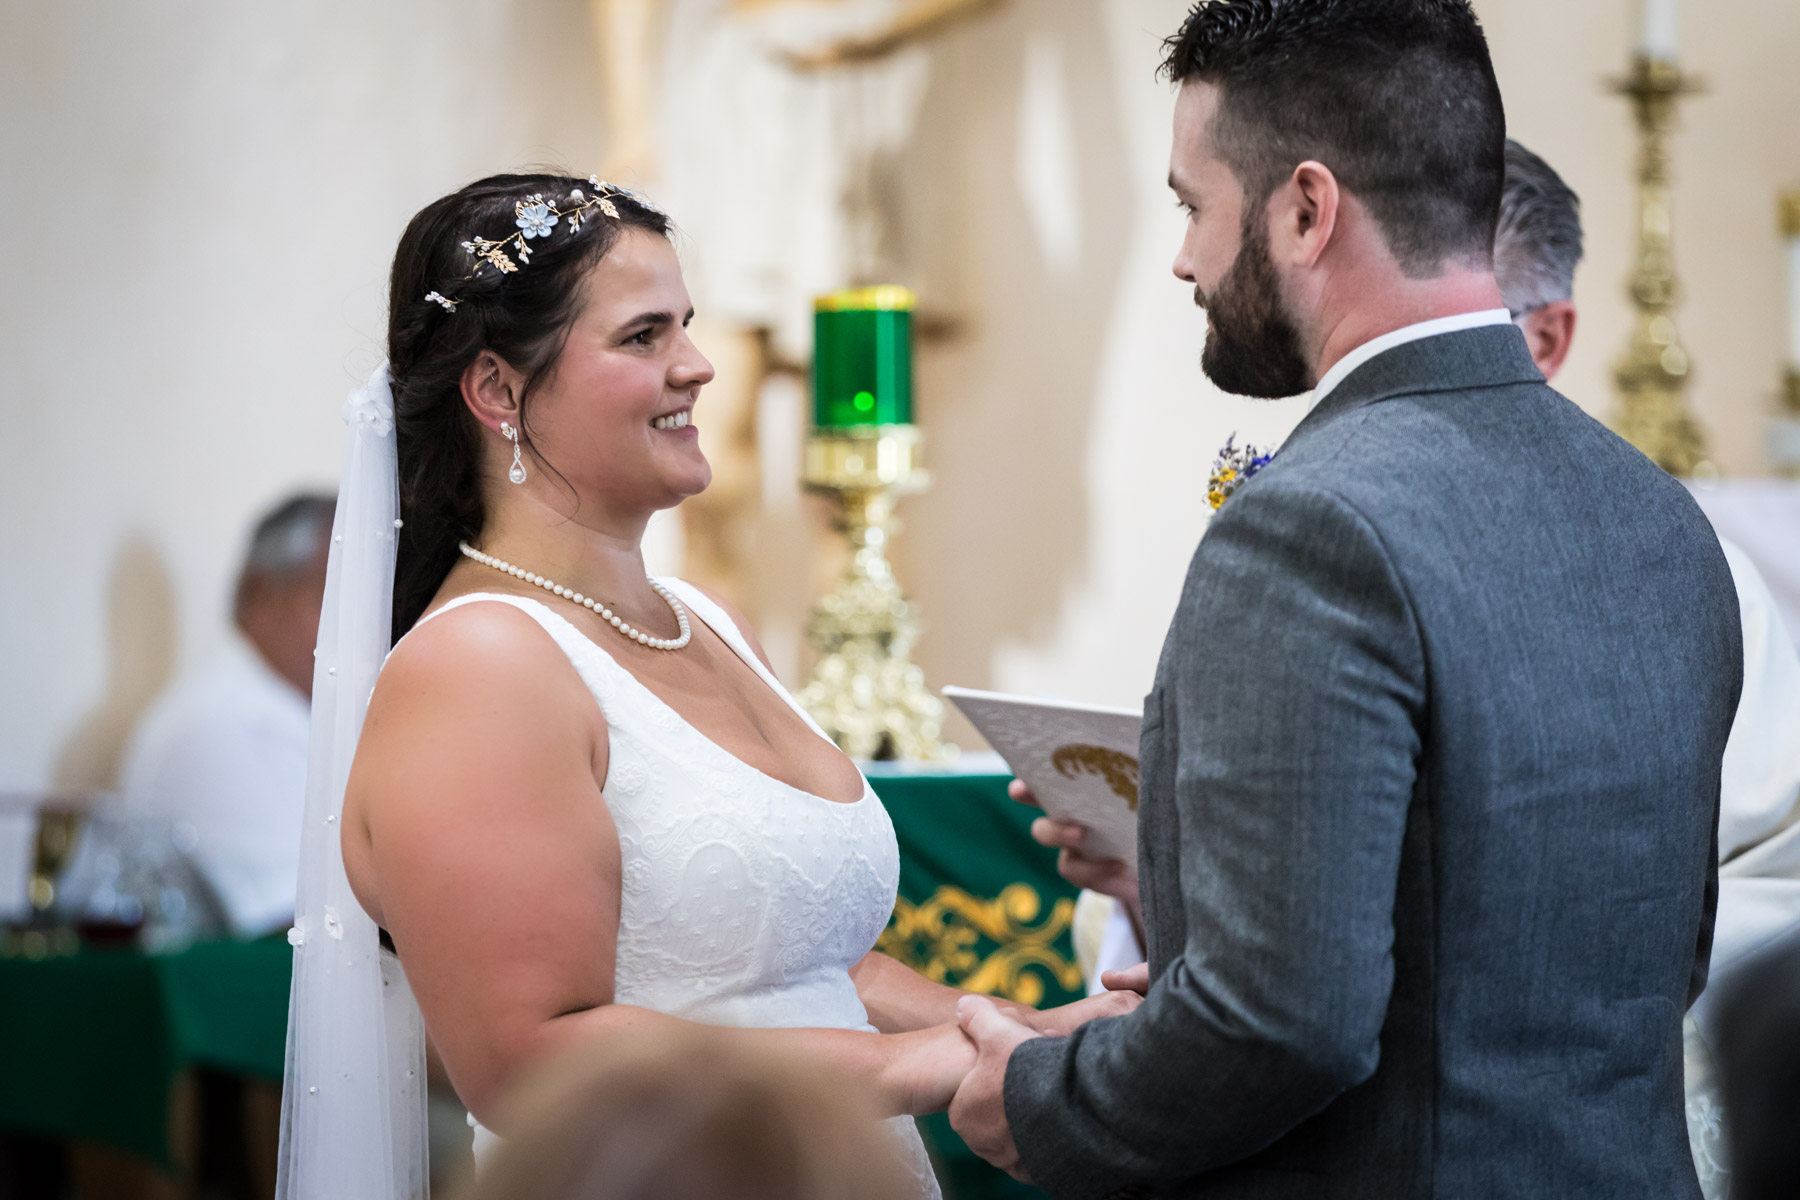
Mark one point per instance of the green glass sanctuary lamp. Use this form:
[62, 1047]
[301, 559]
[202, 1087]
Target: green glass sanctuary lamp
[863, 454]
[862, 358]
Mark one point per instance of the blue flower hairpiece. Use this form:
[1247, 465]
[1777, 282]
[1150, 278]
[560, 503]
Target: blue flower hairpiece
[1234, 467]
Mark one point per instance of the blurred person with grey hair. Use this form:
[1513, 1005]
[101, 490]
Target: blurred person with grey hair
[223, 751]
[1535, 254]
[1537, 247]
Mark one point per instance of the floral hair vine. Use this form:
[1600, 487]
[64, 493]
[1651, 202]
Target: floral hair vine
[536, 217]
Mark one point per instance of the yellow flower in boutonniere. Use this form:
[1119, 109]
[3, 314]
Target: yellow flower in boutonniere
[1234, 467]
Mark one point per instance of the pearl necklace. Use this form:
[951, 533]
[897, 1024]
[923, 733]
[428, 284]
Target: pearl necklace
[606, 614]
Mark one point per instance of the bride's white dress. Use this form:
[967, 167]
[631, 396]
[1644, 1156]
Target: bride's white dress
[745, 901]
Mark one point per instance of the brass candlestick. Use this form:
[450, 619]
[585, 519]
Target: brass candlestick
[865, 691]
[1784, 427]
[1790, 231]
[1654, 373]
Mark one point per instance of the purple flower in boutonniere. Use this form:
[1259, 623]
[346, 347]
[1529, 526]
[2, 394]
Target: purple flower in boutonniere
[1232, 469]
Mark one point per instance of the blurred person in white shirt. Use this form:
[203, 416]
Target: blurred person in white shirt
[223, 751]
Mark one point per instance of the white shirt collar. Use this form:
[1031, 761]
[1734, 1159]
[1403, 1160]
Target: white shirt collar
[1399, 337]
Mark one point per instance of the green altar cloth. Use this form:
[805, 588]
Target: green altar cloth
[91, 1045]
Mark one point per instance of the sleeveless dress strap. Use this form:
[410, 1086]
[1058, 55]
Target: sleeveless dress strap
[591, 662]
[525, 604]
[721, 623]
[596, 667]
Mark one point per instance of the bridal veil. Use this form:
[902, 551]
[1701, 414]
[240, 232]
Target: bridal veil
[353, 1099]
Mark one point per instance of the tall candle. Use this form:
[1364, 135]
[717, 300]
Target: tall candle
[1790, 229]
[1659, 29]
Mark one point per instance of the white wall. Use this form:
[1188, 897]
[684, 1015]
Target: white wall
[201, 197]
[201, 201]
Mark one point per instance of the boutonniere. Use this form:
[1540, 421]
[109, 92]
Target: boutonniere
[1233, 469]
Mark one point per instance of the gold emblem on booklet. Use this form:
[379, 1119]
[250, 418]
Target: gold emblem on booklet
[1079, 760]
[1119, 770]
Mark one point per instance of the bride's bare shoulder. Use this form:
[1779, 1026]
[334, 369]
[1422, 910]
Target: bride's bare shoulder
[478, 722]
[486, 656]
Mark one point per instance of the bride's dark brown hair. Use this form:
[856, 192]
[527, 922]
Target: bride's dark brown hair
[523, 316]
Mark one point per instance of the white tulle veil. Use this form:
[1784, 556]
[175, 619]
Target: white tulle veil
[353, 1100]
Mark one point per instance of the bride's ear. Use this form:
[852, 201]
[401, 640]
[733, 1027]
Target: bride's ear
[492, 388]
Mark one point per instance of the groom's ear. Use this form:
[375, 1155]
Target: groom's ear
[1305, 215]
[491, 388]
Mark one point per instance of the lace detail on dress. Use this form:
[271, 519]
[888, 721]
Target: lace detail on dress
[744, 901]
[1705, 1117]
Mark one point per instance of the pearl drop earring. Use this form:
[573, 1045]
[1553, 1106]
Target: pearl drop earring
[517, 474]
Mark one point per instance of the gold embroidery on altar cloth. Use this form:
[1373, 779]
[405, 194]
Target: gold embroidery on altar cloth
[941, 938]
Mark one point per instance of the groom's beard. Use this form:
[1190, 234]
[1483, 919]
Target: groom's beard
[1252, 347]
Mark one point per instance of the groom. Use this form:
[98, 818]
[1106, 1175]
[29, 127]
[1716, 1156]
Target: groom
[1431, 766]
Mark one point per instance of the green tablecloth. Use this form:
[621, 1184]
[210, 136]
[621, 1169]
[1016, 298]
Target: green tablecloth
[90, 1045]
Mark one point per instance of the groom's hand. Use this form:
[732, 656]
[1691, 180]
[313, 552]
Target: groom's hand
[978, 1112]
[1131, 979]
[1108, 876]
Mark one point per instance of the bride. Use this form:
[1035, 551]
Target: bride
[581, 805]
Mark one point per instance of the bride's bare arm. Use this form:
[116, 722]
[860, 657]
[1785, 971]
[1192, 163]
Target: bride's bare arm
[476, 833]
[898, 999]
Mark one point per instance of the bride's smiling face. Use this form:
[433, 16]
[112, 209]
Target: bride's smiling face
[614, 415]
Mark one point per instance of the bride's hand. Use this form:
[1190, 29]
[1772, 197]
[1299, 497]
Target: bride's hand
[926, 1067]
[1062, 1021]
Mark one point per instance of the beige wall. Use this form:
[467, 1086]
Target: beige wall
[1072, 434]
[200, 200]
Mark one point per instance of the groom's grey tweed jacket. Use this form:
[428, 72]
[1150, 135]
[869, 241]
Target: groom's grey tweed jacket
[1430, 791]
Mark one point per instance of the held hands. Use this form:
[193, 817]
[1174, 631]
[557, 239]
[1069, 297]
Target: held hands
[978, 1108]
[1115, 1002]
[928, 1065]
[978, 1111]
[926, 1068]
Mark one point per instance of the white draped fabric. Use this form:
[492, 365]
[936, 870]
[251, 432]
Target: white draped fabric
[797, 147]
[353, 1100]
[1759, 808]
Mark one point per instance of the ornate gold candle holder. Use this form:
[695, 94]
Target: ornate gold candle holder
[1790, 236]
[1784, 426]
[865, 691]
[1653, 375]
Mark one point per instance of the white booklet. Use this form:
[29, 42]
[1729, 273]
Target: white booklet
[1079, 760]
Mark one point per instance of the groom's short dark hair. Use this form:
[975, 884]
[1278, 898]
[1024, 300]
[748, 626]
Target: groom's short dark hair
[1397, 97]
